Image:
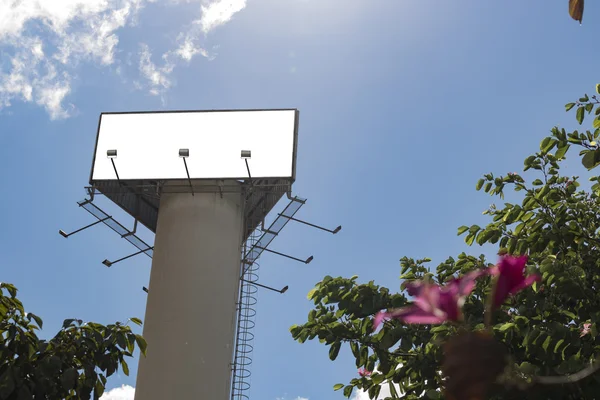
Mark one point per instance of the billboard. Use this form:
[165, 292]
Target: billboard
[147, 145]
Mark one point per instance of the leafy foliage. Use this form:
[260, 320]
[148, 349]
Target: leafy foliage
[556, 223]
[73, 365]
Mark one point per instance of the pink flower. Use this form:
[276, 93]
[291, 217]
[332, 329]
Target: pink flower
[587, 328]
[433, 304]
[364, 372]
[511, 278]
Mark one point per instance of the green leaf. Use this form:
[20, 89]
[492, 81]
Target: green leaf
[355, 349]
[311, 294]
[121, 340]
[37, 319]
[568, 314]
[560, 153]
[130, 342]
[537, 182]
[474, 229]
[479, 184]
[136, 321]
[432, 394]
[527, 368]
[485, 235]
[580, 115]
[125, 367]
[377, 378]
[338, 386]
[469, 239]
[141, 342]
[24, 393]
[547, 343]
[7, 384]
[348, 391]
[591, 159]
[506, 326]
[557, 346]
[547, 144]
[462, 230]
[374, 391]
[568, 106]
[596, 123]
[99, 388]
[563, 351]
[364, 355]
[68, 322]
[529, 161]
[334, 350]
[393, 391]
[68, 378]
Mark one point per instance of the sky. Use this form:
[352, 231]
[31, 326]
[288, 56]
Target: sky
[403, 106]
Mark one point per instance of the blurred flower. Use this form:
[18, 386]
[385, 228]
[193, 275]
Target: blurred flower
[433, 304]
[511, 278]
[364, 372]
[587, 328]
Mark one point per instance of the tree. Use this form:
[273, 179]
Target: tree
[550, 329]
[74, 364]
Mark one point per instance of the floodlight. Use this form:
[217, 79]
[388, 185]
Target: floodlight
[246, 154]
[110, 263]
[307, 261]
[282, 291]
[334, 231]
[112, 154]
[145, 289]
[63, 233]
[183, 154]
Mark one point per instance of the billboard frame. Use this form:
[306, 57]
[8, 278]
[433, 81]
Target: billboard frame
[294, 148]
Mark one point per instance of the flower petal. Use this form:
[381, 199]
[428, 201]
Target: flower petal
[379, 318]
[511, 278]
[465, 284]
[525, 283]
[416, 315]
[414, 288]
[429, 298]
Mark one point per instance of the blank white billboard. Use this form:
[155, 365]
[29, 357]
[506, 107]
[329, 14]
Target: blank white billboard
[148, 144]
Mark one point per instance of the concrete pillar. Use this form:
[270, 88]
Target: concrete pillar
[190, 314]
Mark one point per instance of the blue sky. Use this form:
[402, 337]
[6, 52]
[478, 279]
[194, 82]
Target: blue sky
[403, 105]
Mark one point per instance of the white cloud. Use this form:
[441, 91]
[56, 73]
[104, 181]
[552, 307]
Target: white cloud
[43, 42]
[158, 77]
[383, 393]
[124, 392]
[41, 70]
[213, 14]
[219, 12]
[363, 395]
